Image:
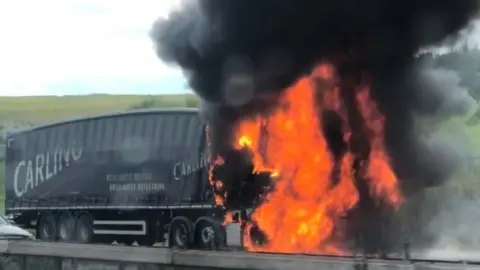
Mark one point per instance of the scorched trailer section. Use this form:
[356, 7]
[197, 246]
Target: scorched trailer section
[131, 176]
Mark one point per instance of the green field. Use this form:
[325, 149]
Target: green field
[18, 112]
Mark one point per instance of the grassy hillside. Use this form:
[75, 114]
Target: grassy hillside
[18, 112]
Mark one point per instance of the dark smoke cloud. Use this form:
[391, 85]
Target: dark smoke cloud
[251, 47]
[444, 86]
[276, 41]
[464, 40]
[235, 53]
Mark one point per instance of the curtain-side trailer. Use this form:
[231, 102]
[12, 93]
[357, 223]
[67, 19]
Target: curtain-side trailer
[132, 176]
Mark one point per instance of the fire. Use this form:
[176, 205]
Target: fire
[217, 184]
[304, 211]
[383, 179]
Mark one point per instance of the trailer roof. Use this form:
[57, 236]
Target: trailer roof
[108, 115]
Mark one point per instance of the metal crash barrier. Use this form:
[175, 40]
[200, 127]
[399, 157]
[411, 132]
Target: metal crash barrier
[33, 255]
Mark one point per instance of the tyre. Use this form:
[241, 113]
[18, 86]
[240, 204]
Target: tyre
[257, 237]
[47, 227]
[66, 227]
[209, 234]
[180, 234]
[84, 229]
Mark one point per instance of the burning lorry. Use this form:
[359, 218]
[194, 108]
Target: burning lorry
[134, 176]
[268, 182]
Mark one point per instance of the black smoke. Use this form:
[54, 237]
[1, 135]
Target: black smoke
[238, 55]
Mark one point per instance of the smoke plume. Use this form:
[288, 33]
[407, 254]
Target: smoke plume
[239, 56]
[446, 89]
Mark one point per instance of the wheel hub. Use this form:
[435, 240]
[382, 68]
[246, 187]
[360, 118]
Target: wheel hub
[83, 234]
[63, 232]
[207, 234]
[46, 232]
[65, 227]
[181, 235]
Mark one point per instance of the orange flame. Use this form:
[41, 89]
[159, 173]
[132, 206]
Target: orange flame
[384, 181]
[215, 183]
[301, 213]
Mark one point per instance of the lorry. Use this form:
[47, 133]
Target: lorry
[135, 176]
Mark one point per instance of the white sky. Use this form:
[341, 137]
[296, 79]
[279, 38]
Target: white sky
[82, 46]
[64, 47]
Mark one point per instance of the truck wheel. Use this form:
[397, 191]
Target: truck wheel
[66, 227]
[209, 234]
[257, 237]
[180, 233]
[47, 228]
[84, 229]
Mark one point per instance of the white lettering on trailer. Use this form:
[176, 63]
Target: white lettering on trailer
[43, 167]
[129, 177]
[137, 187]
[133, 182]
[182, 169]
